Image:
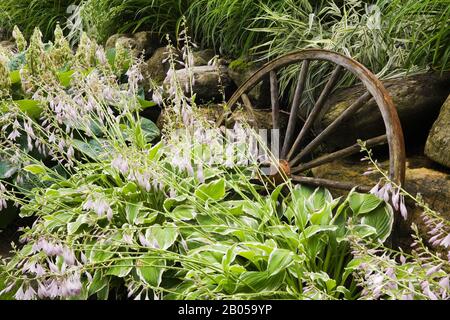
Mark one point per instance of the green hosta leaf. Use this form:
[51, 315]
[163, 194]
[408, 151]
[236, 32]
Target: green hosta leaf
[353, 265]
[101, 252]
[363, 230]
[214, 190]
[276, 193]
[315, 229]
[183, 213]
[36, 169]
[7, 169]
[363, 203]
[121, 268]
[93, 148]
[279, 260]
[99, 282]
[154, 153]
[169, 203]
[72, 227]
[255, 281]
[324, 215]
[164, 236]
[149, 129]
[150, 269]
[53, 221]
[17, 61]
[65, 77]
[132, 211]
[130, 187]
[31, 107]
[382, 219]
[146, 104]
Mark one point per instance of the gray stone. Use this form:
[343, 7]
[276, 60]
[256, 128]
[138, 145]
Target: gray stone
[202, 57]
[418, 99]
[209, 82]
[139, 42]
[8, 46]
[154, 69]
[260, 94]
[437, 147]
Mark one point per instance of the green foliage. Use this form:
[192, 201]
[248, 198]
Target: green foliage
[44, 14]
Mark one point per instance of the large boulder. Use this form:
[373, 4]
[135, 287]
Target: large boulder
[209, 82]
[418, 99]
[155, 69]
[240, 71]
[144, 41]
[437, 147]
[8, 46]
[202, 57]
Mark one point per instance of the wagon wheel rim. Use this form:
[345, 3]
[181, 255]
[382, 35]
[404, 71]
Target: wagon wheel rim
[291, 151]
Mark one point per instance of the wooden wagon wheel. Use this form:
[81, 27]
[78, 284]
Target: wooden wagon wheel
[297, 154]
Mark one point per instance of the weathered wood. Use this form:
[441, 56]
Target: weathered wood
[312, 117]
[382, 99]
[295, 108]
[333, 126]
[319, 182]
[355, 148]
[274, 97]
[247, 102]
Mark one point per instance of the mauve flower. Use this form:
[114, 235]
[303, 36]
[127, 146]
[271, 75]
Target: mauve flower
[200, 176]
[403, 210]
[71, 286]
[120, 164]
[14, 135]
[446, 241]
[19, 294]
[109, 214]
[143, 240]
[396, 199]
[433, 270]
[42, 291]
[29, 294]
[7, 288]
[444, 283]
[426, 290]
[53, 289]
[3, 204]
[69, 257]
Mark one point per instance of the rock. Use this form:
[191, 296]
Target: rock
[111, 42]
[418, 99]
[154, 69]
[202, 57]
[207, 84]
[437, 147]
[139, 42]
[240, 71]
[8, 46]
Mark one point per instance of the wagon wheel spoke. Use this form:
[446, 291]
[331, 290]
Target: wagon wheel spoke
[274, 99]
[247, 102]
[316, 110]
[353, 149]
[360, 102]
[318, 182]
[295, 107]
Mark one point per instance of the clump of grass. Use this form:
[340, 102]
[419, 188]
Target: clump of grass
[28, 14]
